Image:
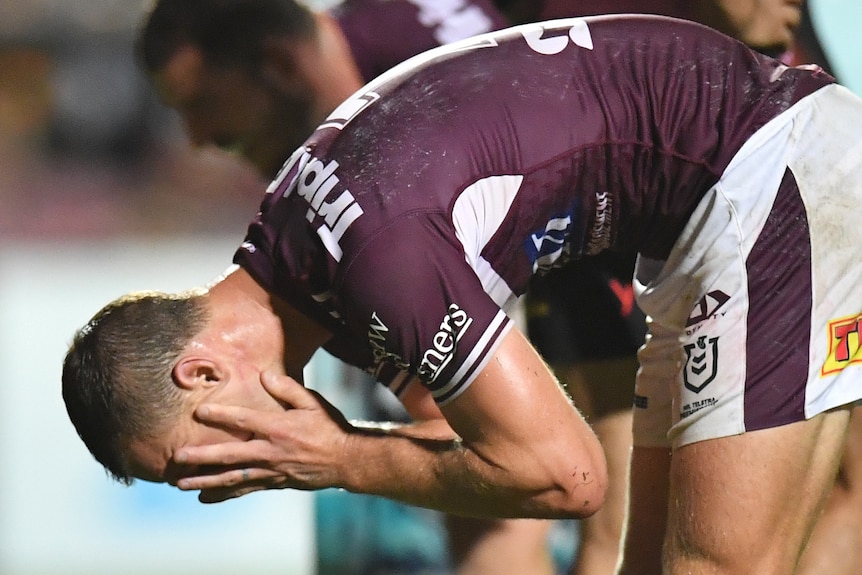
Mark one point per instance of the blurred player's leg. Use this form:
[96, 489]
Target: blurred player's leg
[603, 391]
[504, 547]
[647, 511]
[601, 533]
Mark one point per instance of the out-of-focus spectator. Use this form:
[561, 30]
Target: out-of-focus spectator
[87, 150]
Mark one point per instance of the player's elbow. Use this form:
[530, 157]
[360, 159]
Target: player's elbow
[588, 487]
[581, 487]
[574, 479]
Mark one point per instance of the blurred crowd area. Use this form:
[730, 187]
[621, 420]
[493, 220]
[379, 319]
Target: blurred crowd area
[86, 149]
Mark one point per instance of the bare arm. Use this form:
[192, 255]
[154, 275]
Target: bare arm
[524, 450]
[521, 450]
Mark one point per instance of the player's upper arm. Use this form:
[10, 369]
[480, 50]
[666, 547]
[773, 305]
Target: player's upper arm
[419, 402]
[516, 417]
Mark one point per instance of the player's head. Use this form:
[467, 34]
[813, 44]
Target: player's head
[230, 68]
[137, 371]
[118, 373]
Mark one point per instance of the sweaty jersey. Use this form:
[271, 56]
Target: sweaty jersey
[417, 213]
[383, 33]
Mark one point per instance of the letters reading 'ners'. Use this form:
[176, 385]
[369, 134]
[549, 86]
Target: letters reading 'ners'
[314, 181]
[454, 324]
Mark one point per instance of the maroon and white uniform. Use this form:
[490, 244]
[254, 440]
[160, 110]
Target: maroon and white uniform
[383, 33]
[417, 213]
[604, 323]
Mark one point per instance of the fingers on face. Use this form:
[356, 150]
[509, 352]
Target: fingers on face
[287, 390]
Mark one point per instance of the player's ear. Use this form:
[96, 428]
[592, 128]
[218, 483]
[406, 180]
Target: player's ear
[193, 372]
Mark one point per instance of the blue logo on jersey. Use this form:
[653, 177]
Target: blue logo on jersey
[546, 247]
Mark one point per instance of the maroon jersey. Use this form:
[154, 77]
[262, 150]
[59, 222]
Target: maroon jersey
[568, 8]
[383, 33]
[420, 209]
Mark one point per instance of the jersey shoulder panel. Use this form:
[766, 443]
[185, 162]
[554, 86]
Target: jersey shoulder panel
[411, 294]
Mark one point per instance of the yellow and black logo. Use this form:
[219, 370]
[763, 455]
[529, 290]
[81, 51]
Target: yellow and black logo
[844, 344]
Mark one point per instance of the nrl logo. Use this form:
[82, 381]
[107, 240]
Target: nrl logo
[701, 363]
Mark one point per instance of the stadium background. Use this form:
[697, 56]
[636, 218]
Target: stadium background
[99, 195]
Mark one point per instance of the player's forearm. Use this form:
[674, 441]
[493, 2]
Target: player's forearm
[426, 465]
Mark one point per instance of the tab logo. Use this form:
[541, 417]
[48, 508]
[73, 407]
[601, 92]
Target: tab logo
[844, 344]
